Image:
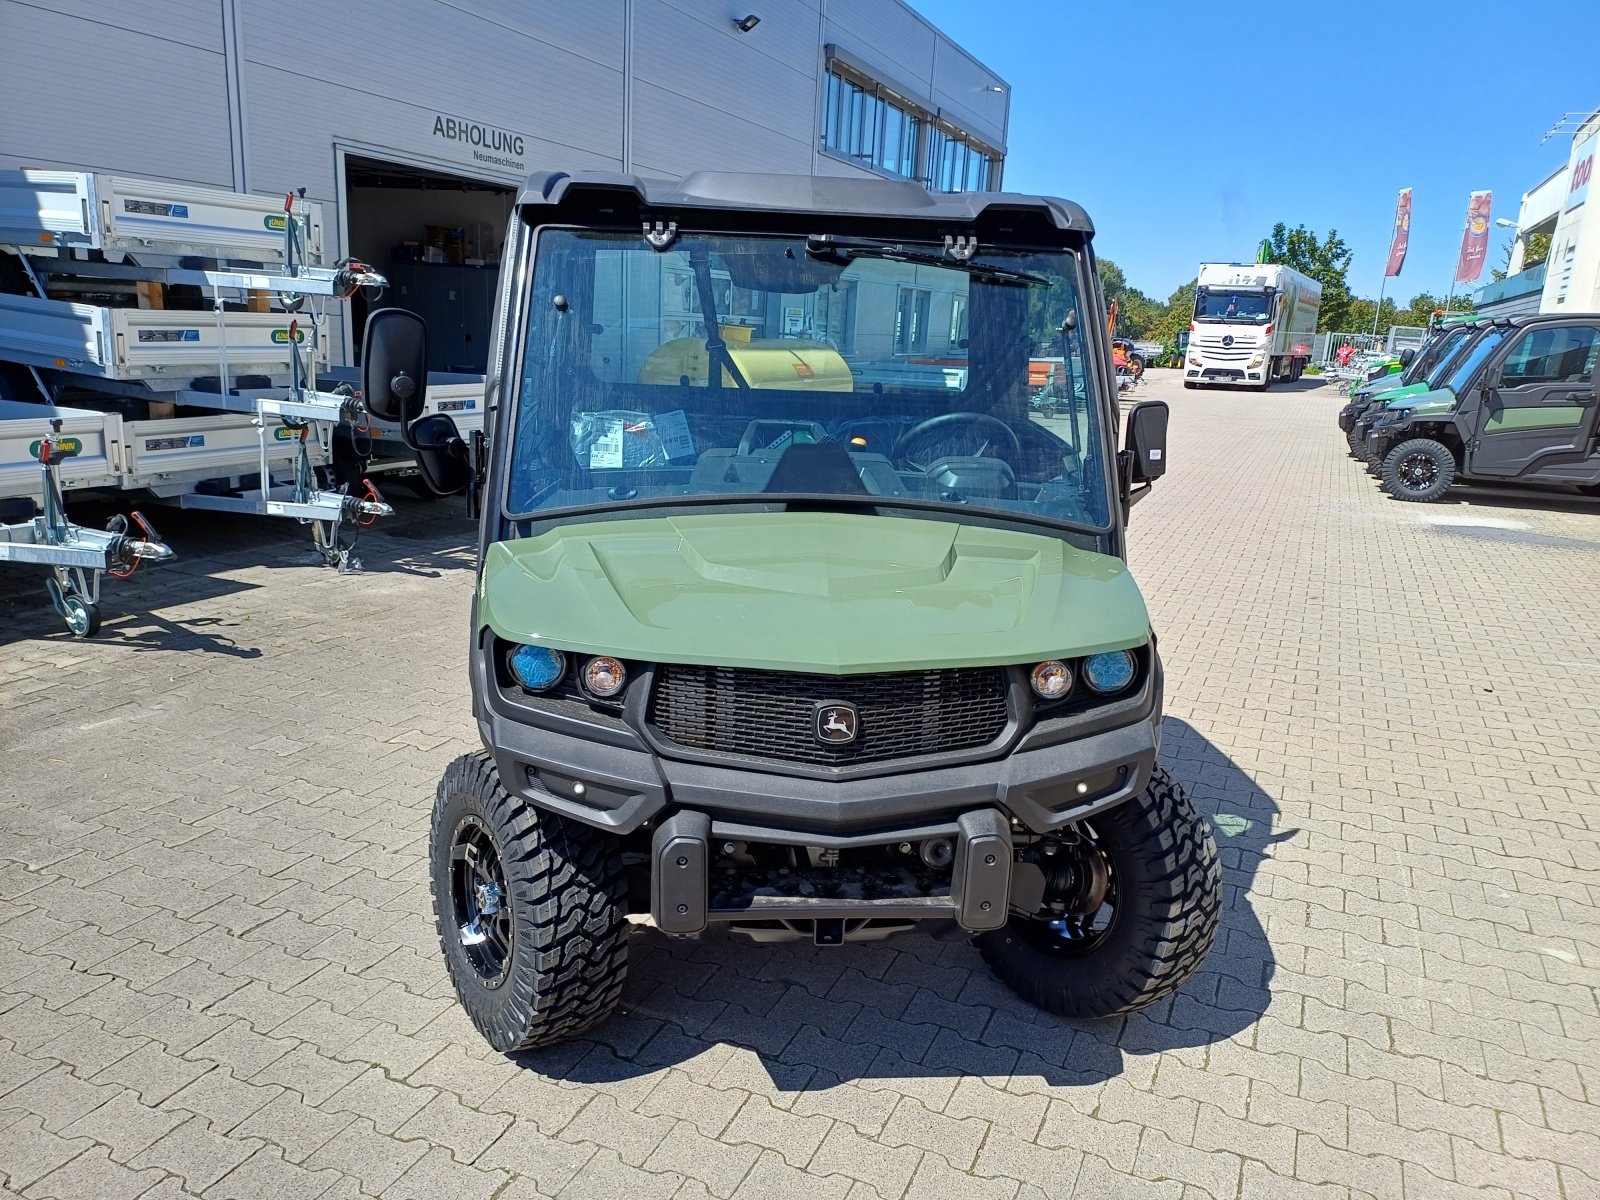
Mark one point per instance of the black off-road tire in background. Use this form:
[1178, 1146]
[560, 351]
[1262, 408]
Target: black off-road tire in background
[1418, 470]
[549, 898]
[1167, 885]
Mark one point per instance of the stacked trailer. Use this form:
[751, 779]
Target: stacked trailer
[81, 246]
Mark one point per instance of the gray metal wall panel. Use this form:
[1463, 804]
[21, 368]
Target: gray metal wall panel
[762, 93]
[134, 104]
[299, 152]
[886, 32]
[195, 23]
[960, 86]
[480, 70]
[674, 135]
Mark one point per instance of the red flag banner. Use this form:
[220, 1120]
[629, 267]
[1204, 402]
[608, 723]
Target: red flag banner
[1402, 235]
[1474, 239]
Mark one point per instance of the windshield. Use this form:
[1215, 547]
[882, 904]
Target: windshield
[1440, 371]
[761, 369]
[1219, 304]
[1466, 364]
[1444, 346]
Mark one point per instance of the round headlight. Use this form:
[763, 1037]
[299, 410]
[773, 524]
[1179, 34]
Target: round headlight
[538, 668]
[604, 676]
[1051, 680]
[1108, 672]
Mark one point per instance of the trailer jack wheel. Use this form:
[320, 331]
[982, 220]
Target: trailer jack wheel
[81, 614]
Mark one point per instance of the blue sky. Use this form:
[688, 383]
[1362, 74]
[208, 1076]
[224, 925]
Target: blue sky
[1186, 138]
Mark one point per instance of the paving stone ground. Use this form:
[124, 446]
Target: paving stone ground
[219, 974]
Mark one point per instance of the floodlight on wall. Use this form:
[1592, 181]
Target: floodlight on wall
[995, 87]
[746, 24]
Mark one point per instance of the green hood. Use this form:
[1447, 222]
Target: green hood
[1389, 385]
[1423, 402]
[828, 593]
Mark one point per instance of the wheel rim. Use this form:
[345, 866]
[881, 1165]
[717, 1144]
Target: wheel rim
[1417, 472]
[482, 905]
[1087, 907]
[77, 616]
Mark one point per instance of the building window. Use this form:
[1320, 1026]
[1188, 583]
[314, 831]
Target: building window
[958, 320]
[911, 320]
[860, 124]
[956, 165]
[872, 125]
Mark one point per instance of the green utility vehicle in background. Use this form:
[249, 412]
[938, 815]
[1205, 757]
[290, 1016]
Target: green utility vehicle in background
[1517, 405]
[792, 615]
[1427, 370]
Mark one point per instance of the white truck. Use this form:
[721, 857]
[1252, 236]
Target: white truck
[1253, 325]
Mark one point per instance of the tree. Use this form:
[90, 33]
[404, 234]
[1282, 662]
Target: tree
[1537, 251]
[1327, 261]
[1174, 316]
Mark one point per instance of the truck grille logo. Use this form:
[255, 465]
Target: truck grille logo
[1227, 339]
[836, 723]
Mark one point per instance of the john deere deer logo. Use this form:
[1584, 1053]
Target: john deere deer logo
[837, 723]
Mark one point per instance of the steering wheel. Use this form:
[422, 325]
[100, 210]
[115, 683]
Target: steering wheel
[944, 421]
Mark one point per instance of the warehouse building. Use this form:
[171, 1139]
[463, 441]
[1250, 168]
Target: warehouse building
[412, 121]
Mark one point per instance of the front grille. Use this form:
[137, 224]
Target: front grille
[771, 714]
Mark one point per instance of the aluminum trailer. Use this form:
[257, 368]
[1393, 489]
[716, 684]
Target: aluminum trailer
[269, 448]
[77, 557]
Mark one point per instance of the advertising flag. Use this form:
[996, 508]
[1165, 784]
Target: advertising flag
[1402, 235]
[1474, 239]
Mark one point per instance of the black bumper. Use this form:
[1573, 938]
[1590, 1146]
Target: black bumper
[1057, 772]
[979, 897]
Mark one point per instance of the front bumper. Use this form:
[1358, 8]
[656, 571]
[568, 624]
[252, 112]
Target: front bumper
[681, 900]
[1056, 772]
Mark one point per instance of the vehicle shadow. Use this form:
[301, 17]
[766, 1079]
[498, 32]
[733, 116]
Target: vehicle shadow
[917, 1007]
[1519, 499]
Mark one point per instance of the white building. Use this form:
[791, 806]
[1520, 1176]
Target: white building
[411, 121]
[1572, 273]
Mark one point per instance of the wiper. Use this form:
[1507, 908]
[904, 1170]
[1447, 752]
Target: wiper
[844, 251]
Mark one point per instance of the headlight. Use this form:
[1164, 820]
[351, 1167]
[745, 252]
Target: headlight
[604, 677]
[1256, 361]
[1108, 672]
[1051, 680]
[538, 668]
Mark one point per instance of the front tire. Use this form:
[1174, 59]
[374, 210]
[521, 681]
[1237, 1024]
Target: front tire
[531, 908]
[1163, 886]
[1420, 470]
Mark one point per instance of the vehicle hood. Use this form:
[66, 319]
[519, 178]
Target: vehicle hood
[1388, 385]
[828, 593]
[1423, 401]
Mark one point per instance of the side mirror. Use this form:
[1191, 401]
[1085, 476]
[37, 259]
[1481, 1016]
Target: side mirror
[1406, 356]
[441, 454]
[1147, 441]
[394, 380]
[394, 367]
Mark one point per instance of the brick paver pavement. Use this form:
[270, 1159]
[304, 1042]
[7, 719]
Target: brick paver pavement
[218, 971]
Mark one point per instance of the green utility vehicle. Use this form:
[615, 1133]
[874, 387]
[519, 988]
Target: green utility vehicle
[793, 615]
[1426, 371]
[1518, 405]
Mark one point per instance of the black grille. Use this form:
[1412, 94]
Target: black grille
[771, 714]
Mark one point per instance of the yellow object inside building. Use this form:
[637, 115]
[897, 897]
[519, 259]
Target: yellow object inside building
[777, 364]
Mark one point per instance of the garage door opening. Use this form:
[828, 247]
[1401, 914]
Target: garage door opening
[438, 238]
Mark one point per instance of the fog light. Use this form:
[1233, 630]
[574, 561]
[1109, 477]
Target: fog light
[1051, 680]
[1108, 672]
[538, 668]
[604, 676]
